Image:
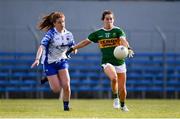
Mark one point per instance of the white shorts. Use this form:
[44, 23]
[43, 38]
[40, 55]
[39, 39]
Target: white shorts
[119, 69]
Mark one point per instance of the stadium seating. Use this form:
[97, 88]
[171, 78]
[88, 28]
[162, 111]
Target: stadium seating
[146, 73]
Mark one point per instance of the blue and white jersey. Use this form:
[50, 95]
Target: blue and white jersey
[55, 45]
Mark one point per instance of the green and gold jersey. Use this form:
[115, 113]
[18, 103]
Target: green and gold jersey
[108, 40]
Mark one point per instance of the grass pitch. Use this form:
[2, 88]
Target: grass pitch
[51, 108]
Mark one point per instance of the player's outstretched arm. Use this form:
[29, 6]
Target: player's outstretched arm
[38, 56]
[78, 46]
[82, 44]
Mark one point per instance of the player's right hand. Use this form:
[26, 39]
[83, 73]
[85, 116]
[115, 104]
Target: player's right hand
[35, 63]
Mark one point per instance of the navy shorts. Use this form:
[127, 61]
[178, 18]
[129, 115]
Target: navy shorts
[52, 69]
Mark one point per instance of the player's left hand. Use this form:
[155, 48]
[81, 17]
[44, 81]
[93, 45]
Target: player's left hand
[130, 52]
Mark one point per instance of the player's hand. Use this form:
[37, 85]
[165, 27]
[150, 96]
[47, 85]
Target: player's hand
[68, 52]
[75, 51]
[130, 52]
[35, 63]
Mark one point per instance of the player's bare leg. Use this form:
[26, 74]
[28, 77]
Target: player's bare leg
[65, 80]
[54, 83]
[122, 90]
[111, 73]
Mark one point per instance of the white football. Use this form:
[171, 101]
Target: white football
[120, 52]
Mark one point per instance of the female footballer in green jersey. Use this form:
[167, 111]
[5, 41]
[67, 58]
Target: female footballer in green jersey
[108, 38]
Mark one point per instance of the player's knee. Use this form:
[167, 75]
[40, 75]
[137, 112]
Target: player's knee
[114, 78]
[66, 87]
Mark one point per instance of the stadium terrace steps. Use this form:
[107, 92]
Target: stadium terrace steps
[144, 73]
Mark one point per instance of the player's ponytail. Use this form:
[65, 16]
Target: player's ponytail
[48, 20]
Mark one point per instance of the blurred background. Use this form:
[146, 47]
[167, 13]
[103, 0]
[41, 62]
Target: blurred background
[152, 28]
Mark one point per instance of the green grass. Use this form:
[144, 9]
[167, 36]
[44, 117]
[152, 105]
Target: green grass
[88, 109]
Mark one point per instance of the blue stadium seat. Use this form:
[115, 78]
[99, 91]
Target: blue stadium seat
[145, 73]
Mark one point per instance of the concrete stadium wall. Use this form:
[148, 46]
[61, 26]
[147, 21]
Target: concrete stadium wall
[18, 19]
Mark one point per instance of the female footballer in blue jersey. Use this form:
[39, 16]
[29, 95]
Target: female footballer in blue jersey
[52, 53]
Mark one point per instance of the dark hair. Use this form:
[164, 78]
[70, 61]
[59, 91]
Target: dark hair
[105, 13]
[48, 20]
